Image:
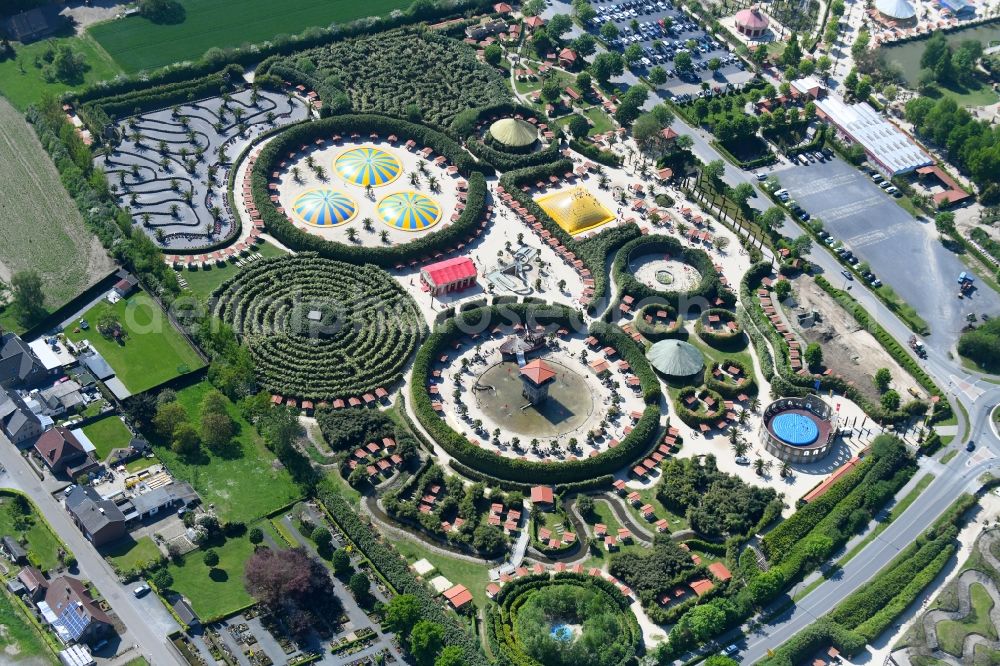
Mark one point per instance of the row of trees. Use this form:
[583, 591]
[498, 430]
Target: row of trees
[214, 427]
[423, 638]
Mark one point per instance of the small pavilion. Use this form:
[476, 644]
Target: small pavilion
[536, 377]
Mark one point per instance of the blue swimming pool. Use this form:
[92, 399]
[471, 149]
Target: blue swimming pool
[795, 429]
[561, 632]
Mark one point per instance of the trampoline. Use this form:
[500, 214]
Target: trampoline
[324, 208]
[368, 166]
[795, 429]
[409, 211]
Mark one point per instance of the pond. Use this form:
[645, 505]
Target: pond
[562, 633]
[906, 56]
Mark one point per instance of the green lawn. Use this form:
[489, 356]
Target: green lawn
[244, 486]
[136, 43]
[22, 82]
[214, 593]
[42, 544]
[19, 640]
[202, 283]
[460, 572]
[128, 553]
[154, 351]
[107, 434]
[140, 464]
[600, 119]
[952, 633]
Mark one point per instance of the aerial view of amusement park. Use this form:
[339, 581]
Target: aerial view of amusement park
[479, 333]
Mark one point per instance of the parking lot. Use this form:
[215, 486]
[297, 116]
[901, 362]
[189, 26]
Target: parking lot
[670, 29]
[903, 252]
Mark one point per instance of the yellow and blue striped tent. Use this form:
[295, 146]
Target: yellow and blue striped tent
[409, 211]
[324, 208]
[368, 166]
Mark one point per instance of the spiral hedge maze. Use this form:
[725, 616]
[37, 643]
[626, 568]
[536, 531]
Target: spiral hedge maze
[568, 620]
[319, 329]
[633, 447]
[291, 140]
[709, 293]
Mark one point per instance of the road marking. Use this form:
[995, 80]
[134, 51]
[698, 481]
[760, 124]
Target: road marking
[968, 388]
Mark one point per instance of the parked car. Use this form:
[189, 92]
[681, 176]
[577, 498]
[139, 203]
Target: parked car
[141, 591]
[847, 274]
[742, 460]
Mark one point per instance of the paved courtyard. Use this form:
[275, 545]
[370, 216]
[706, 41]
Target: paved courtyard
[904, 253]
[165, 184]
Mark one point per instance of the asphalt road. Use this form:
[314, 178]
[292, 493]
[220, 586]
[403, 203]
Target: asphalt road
[146, 624]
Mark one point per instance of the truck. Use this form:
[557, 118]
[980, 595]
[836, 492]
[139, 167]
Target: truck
[965, 282]
[918, 347]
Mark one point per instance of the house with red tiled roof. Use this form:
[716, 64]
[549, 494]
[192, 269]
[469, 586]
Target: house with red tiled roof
[542, 497]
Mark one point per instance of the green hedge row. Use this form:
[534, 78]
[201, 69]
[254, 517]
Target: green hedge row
[757, 163]
[634, 446]
[465, 122]
[596, 483]
[820, 635]
[709, 289]
[290, 140]
[398, 575]
[507, 161]
[589, 150]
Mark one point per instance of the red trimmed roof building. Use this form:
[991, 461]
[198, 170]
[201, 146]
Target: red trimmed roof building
[535, 378]
[542, 497]
[453, 274]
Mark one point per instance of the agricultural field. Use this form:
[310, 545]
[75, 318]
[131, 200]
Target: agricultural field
[21, 77]
[40, 227]
[152, 352]
[136, 43]
[244, 484]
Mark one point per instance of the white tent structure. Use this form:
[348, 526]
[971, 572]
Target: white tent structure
[900, 10]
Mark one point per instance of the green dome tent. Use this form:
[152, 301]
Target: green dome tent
[675, 358]
[514, 132]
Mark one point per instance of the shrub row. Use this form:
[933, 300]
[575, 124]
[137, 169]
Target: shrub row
[756, 163]
[588, 149]
[634, 446]
[287, 233]
[819, 635]
[596, 483]
[398, 575]
[507, 161]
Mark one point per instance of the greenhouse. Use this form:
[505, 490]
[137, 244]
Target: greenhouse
[514, 132]
[409, 211]
[575, 210]
[368, 167]
[324, 208]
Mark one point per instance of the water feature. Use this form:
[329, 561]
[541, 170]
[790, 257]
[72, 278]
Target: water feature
[906, 56]
[562, 632]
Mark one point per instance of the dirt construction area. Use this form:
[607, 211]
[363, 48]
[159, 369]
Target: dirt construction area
[849, 350]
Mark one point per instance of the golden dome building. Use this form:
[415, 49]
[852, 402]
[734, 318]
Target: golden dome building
[575, 210]
[514, 132]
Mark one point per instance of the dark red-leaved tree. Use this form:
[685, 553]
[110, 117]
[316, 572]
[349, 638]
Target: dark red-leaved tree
[294, 586]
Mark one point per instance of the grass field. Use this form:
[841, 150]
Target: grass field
[218, 592]
[128, 553]
[154, 351]
[40, 227]
[22, 83]
[19, 641]
[460, 572]
[136, 43]
[244, 486]
[42, 545]
[202, 283]
[107, 434]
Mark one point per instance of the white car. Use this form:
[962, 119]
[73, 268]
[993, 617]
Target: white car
[742, 460]
[141, 591]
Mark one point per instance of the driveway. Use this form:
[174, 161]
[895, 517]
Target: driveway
[146, 623]
[904, 253]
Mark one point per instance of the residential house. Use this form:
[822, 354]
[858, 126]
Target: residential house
[35, 585]
[166, 497]
[18, 364]
[61, 398]
[185, 613]
[17, 420]
[72, 613]
[126, 284]
[32, 24]
[63, 452]
[100, 520]
[486, 29]
[542, 497]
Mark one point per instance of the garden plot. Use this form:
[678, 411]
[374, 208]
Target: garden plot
[172, 167]
[847, 348]
[40, 227]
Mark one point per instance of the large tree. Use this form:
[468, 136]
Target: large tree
[426, 640]
[293, 586]
[607, 65]
[29, 299]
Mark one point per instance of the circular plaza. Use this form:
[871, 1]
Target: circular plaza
[536, 395]
[368, 191]
[663, 273]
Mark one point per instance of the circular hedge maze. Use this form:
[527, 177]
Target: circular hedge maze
[570, 620]
[320, 329]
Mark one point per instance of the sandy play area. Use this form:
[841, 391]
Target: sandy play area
[663, 274]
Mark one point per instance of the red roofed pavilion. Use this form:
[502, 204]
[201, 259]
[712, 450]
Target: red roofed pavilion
[453, 274]
[536, 377]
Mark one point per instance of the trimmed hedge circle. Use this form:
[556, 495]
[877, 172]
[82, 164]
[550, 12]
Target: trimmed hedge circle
[729, 388]
[656, 330]
[423, 247]
[693, 418]
[320, 329]
[634, 446]
[569, 619]
[718, 337]
[704, 296]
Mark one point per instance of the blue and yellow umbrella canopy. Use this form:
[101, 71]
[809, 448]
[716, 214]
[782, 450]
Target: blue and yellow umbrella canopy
[368, 166]
[324, 208]
[409, 211]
